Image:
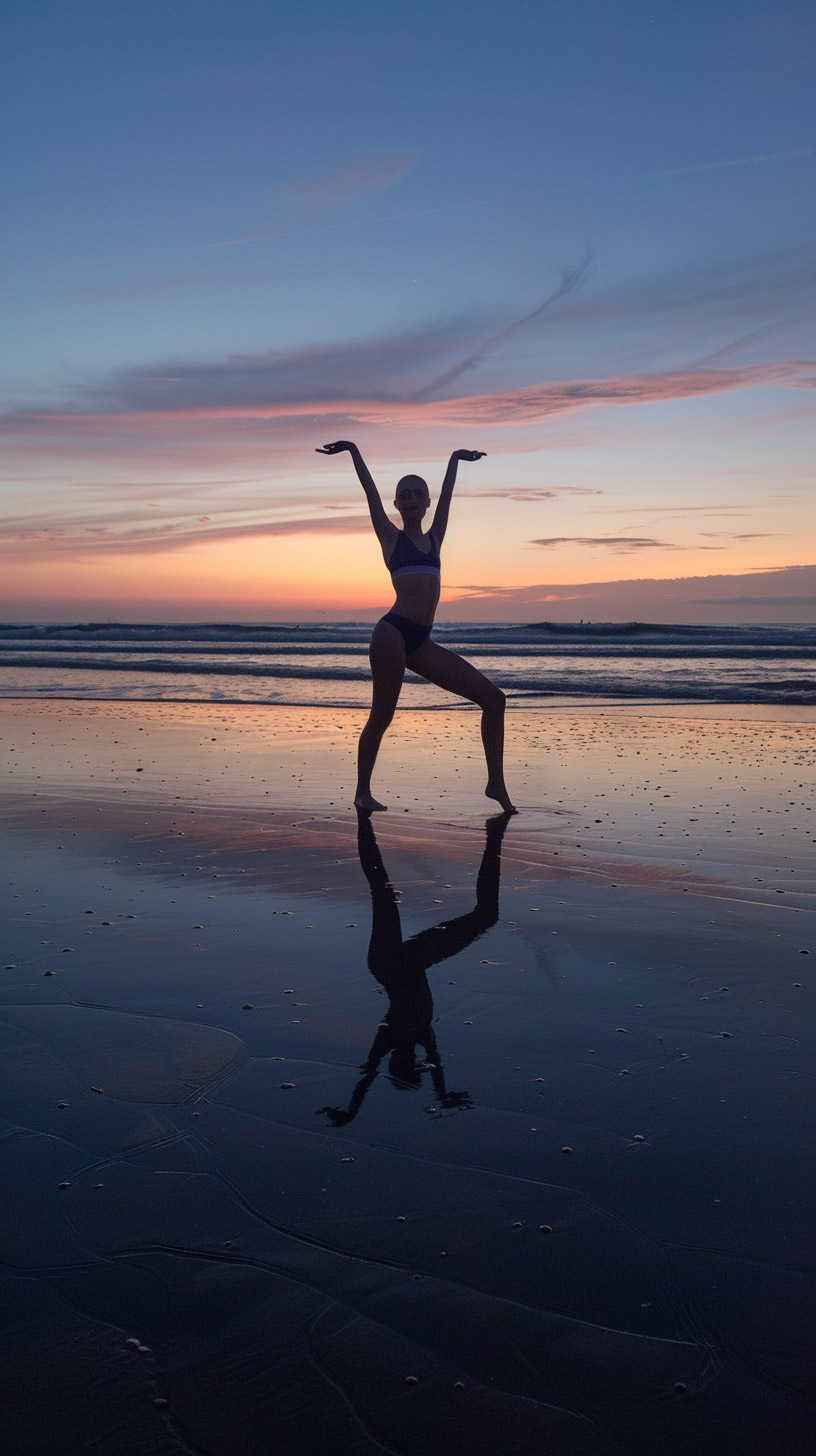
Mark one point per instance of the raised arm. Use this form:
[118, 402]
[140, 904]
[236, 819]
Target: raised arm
[440, 521]
[385, 529]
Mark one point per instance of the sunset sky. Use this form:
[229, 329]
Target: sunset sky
[572, 233]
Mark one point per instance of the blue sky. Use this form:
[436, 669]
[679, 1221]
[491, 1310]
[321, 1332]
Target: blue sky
[214, 207]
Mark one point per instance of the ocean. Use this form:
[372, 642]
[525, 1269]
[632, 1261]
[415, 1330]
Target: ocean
[325, 664]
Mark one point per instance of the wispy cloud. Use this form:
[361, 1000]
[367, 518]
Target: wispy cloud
[494, 341]
[712, 510]
[87, 541]
[532, 594]
[356, 175]
[731, 162]
[768, 602]
[619, 544]
[746, 535]
[527, 494]
[704, 313]
[265, 235]
[388, 367]
[745, 306]
[516, 406]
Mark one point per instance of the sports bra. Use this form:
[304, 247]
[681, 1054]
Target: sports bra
[407, 560]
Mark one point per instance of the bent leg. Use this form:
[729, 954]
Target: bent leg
[387, 657]
[453, 673]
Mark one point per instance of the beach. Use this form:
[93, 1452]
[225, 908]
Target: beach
[436, 1133]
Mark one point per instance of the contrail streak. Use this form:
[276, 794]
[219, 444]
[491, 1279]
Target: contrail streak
[568, 283]
[731, 162]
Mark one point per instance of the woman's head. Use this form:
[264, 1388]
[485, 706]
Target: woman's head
[412, 497]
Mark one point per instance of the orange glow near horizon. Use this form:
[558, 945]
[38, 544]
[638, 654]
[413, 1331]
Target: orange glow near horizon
[169, 514]
[262, 578]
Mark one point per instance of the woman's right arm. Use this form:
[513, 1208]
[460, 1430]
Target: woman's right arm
[385, 529]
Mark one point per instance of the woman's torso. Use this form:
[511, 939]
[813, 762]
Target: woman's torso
[415, 576]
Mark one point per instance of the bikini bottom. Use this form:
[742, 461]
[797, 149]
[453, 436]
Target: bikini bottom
[412, 633]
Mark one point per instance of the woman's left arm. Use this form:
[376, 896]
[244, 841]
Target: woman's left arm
[440, 521]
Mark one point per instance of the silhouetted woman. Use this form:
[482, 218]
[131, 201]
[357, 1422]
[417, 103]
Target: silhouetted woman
[402, 638]
[401, 967]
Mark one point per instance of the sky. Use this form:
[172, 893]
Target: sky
[575, 234]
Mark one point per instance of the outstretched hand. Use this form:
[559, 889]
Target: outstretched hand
[335, 448]
[468, 455]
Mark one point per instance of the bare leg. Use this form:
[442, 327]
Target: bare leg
[448, 670]
[387, 656]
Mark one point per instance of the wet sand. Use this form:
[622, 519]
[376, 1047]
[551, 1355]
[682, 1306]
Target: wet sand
[439, 1134]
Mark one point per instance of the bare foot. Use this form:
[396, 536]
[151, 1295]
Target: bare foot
[367, 804]
[499, 792]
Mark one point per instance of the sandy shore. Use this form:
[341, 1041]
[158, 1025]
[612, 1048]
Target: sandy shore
[512, 1156]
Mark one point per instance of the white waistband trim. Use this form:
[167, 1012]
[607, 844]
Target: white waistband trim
[416, 571]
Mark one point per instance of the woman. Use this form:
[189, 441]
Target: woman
[402, 638]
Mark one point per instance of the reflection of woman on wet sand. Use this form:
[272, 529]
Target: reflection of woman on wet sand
[402, 638]
[401, 965]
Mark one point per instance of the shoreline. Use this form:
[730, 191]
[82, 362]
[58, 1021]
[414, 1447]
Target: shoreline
[645, 707]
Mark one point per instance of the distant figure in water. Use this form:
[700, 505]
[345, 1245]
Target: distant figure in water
[402, 638]
[401, 968]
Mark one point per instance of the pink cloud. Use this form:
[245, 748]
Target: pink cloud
[150, 540]
[526, 405]
[356, 175]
